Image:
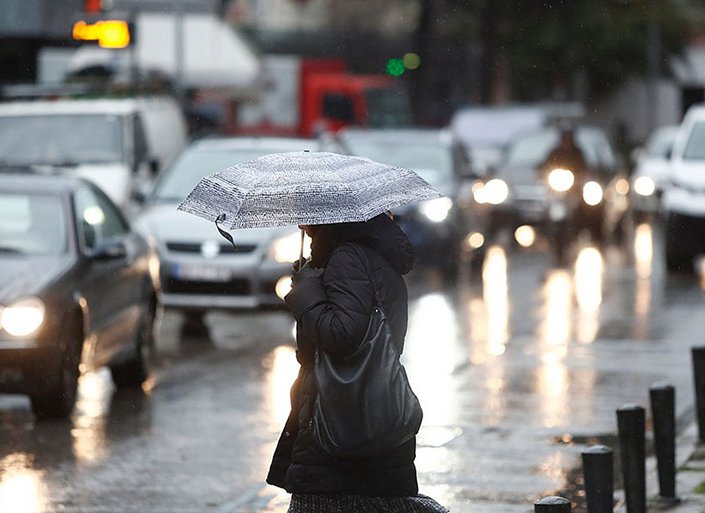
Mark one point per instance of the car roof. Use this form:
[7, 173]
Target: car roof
[413, 135]
[276, 144]
[40, 184]
[117, 106]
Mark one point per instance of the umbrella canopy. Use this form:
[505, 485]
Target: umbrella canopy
[304, 188]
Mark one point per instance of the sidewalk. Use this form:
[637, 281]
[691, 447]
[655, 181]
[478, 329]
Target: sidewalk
[690, 478]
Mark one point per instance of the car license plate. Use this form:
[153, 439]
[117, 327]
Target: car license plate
[202, 273]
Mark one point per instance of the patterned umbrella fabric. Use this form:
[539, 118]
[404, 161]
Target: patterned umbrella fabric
[296, 188]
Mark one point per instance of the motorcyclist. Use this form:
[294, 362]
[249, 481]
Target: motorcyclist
[567, 155]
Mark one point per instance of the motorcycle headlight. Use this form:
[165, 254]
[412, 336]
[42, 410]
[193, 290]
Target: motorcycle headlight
[592, 193]
[644, 186]
[561, 180]
[436, 210]
[288, 249]
[24, 317]
[494, 192]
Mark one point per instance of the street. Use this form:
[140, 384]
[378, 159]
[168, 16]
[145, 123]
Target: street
[518, 369]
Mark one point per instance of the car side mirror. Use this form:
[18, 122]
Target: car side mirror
[110, 250]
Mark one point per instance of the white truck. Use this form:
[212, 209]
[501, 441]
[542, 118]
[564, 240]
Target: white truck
[684, 198]
[119, 143]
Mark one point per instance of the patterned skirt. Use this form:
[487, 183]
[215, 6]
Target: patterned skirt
[360, 504]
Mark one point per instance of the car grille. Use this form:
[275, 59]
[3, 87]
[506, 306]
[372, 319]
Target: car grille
[235, 287]
[225, 249]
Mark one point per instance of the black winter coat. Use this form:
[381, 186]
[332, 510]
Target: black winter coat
[332, 307]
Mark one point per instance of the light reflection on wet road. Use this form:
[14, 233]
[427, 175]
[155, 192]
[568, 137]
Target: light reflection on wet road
[505, 364]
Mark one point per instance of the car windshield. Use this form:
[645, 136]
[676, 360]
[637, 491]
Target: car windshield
[660, 143]
[32, 224]
[434, 163]
[178, 181]
[695, 148]
[61, 139]
[532, 150]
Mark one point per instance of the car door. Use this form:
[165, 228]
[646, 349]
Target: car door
[112, 285]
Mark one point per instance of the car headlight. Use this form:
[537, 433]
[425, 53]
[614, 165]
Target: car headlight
[644, 186]
[288, 249]
[436, 210]
[561, 180]
[494, 192]
[23, 317]
[592, 193]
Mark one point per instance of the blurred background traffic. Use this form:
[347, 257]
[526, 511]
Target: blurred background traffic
[568, 140]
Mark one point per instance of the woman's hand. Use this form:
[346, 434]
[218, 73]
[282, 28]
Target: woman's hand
[300, 273]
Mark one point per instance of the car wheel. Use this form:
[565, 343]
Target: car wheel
[59, 399]
[135, 371]
[677, 258]
[194, 323]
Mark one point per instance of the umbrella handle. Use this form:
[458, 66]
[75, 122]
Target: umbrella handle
[301, 254]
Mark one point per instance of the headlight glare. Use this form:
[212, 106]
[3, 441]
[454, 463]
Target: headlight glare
[288, 249]
[23, 317]
[644, 186]
[592, 193]
[436, 210]
[561, 180]
[495, 192]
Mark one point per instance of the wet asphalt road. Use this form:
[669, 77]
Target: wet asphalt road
[517, 367]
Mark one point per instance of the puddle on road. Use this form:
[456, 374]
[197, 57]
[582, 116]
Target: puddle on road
[574, 487]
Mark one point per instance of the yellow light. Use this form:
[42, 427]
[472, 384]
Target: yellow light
[644, 186]
[592, 193]
[494, 192]
[475, 240]
[561, 180]
[411, 60]
[288, 249]
[622, 186]
[23, 317]
[108, 33]
[525, 236]
[283, 286]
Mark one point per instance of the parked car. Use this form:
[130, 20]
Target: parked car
[652, 170]
[520, 195]
[440, 229]
[200, 270]
[118, 144]
[684, 198]
[76, 291]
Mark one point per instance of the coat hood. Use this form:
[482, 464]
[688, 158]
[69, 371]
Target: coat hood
[379, 233]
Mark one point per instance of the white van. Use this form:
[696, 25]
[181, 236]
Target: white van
[119, 144]
[684, 199]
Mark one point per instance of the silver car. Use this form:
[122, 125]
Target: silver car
[200, 270]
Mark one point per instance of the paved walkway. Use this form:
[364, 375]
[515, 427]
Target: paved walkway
[690, 478]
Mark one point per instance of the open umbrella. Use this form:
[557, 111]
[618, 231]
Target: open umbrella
[303, 188]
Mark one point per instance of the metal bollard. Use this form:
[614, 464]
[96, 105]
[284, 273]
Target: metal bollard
[663, 411]
[552, 504]
[699, 381]
[631, 421]
[599, 479]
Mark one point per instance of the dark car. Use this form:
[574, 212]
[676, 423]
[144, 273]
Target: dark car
[520, 196]
[76, 291]
[444, 231]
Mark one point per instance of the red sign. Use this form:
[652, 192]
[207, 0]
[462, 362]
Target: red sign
[93, 6]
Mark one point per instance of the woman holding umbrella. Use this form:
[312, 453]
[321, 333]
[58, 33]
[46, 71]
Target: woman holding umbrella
[349, 442]
[332, 300]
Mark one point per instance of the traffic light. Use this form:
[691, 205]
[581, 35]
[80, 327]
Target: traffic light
[397, 67]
